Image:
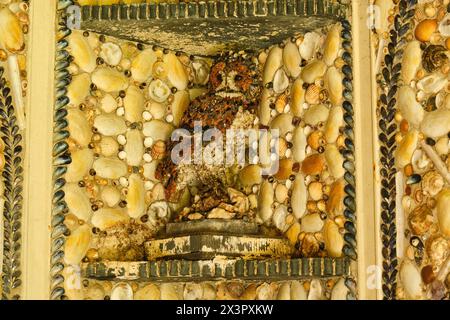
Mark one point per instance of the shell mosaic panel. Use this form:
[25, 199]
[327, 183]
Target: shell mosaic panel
[414, 122]
[14, 27]
[117, 103]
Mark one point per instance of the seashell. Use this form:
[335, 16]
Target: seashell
[312, 95]
[150, 170]
[111, 53]
[77, 244]
[411, 110]
[158, 193]
[197, 92]
[335, 161]
[406, 148]
[443, 213]
[298, 291]
[250, 175]
[437, 248]
[412, 58]
[334, 242]
[110, 196]
[201, 71]
[158, 130]
[273, 63]
[425, 29]
[334, 123]
[264, 107]
[109, 168]
[108, 146]
[134, 104]
[316, 114]
[159, 210]
[299, 142]
[315, 290]
[335, 203]
[420, 161]
[432, 84]
[142, 66]
[176, 72]
[444, 26]
[312, 223]
[281, 193]
[78, 89]
[314, 70]
[420, 220]
[313, 165]
[434, 57]
[82, 161]
[180, 104]
[411, 280]
[332, 45]
[265, 292]
[384, 8]
[158, 150]
[333, 83]
[281, 102]
[157, 110]
[122, 291]
[315, 190]
[193, 291]
[159, 91]
[109, 80]
[265, 201]
[82, 52]
[149, 292]
[293, 232]
[292, 59]
[219, 213]
[297, 98]
[299, 197]
[442, 146]
[279, 218]
[78, 201]
[136, 197]
[73, 282]
[95, 292]
[282, 123]
[284, 292]
[310, 45]
[432, 183]
[339, 291]
[436, 123]
[280, 81]
[108, 104]
[134, 148]
[79, 128]
[106, 218]
[110, 124]
[284, 169]
[11, 34]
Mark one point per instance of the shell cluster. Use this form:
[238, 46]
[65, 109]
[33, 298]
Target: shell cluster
[326, 289]
[422, 159]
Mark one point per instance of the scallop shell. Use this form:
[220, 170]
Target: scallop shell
[310, 45]
[134, 148]
[412, 58]
[316, 114]
[411, 110]
[436, 123]
[142, 66]
[109, 80]
[109, 146]
[334, 242]
[78, 89]
[299, 197]
[77, 244]
[314, 70]
[335, 161]
[273, 63]
[78, 201]
[82, 161]
[292, 59]
[106, 218]
[265, 201]
[297, 98]
[134, 104]
[79, 128]
[312, 95]
[122, 291]
[180, 104]
[110, 196]
[159, 91]
[411, 280]
[82, 52]
[158, 130]
[11, 34]
[136, 197]
[332, 45]
[111, 53]
[406, 148]
[280, 81]
[109, 168]
[333, 83]
[176, 72]
[443, 212]
[110, 124]
[334, 123]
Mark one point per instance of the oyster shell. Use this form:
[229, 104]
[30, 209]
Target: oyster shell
[309, 46]
[78, 89]
[314, 70]
[79, 128]
[82, 161]
[78, 201]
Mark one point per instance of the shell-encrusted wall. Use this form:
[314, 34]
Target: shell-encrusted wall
[414, 136]
[117, 105]
[14, 25]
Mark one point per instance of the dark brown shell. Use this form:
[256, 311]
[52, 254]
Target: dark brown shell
[434, 57]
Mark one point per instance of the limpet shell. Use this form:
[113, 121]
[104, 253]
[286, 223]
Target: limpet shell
[411, 280]
[265, 201]
[316, 69]
[280, 81]
[412, 58]
[82, 52]
[109, 80]
[159, 91]
[77, 244]
[109, 168]
[334, 242]
[292, 59]
[180, 104]
[110, 196]
[312, 223]
[136, 197]
[299, 197]
[78, 89]
[109, 146]
[333, 83]
[79, 128]
[335, 161]
[111, 53]
[332, 45]
[176, 72]
[310, 45]
[158, 130]
[78, 201]
[297, 98]
[406, 148]
[82, 161]
[316, 114]
[122, 291]
[436, 123]
[110, 124]
[106, 218]
[425, 29]
[411, 110]
[334, 123]
[273, 63]
[134, 104]
[443, 212]
[142, 66]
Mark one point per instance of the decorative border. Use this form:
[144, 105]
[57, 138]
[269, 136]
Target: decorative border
[13, 183]
[387, 130]
[215, 9]
[61, 155]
